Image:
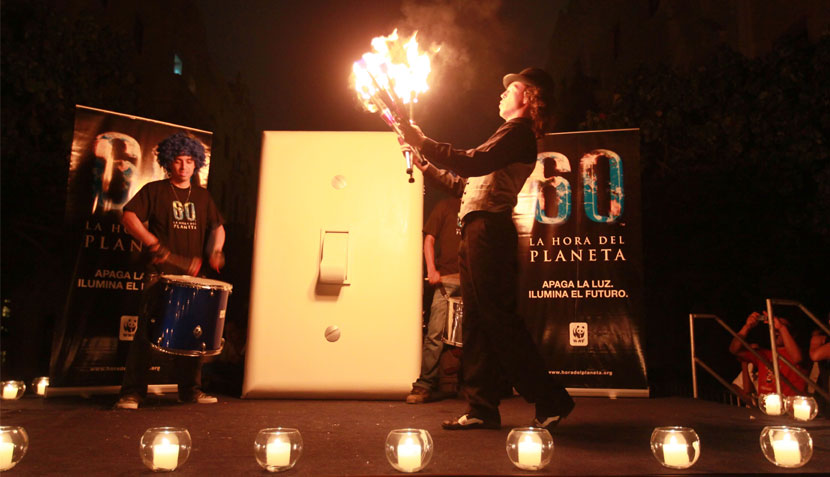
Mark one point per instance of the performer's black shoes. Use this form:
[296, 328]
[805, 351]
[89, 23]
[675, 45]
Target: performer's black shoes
[549, 420]
[466, 421]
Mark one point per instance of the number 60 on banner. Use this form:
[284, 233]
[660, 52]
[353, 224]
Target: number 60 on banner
[562, 187]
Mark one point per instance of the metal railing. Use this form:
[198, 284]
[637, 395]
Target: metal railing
[774, 351]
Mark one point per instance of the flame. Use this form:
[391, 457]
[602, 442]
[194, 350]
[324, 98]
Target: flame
[393, 74]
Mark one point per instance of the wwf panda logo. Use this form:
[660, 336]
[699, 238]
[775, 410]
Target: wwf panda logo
[579, 334]
[129, 325]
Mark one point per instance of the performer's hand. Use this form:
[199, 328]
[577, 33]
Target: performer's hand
[416, 158]
[412, 134]
[217, 260]
[195, 266]
[160, 253]
[434, 277]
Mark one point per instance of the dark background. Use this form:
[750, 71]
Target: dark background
[730, 97]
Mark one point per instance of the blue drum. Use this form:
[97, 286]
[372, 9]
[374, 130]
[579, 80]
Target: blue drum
[189, 316]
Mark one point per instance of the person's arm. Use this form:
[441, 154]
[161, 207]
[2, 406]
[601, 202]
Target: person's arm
[790, 345]
[512, 142]
[429, 257]
[216, 242]
[445, 178]
[751, 321]
[819, 347]
[136, 228]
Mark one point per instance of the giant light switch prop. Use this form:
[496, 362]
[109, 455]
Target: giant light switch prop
[336, 286]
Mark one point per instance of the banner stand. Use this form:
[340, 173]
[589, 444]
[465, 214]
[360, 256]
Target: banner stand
[608, 393]
[86, 391]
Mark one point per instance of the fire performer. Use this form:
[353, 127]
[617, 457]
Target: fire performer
[179, 217]
[494, 335]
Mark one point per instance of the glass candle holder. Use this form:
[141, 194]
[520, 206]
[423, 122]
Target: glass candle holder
[802, 408]
[14, 442]
[675, 447]
[784, 446]
[40, 384]
[409, 450]
[772, 404]
[529, 448]
[164, 449]
[13, 390]
[277, 449]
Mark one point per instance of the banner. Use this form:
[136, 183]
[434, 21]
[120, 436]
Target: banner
[580, 243]
[113, 156]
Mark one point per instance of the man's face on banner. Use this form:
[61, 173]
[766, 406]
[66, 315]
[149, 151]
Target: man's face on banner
[181, 170]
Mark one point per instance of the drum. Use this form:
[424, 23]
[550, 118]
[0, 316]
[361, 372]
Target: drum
[188, 317]
[455, 315]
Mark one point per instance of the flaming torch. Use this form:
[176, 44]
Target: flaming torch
[389, 79]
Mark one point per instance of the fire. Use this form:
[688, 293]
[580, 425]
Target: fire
[391, 77]
[393, 74]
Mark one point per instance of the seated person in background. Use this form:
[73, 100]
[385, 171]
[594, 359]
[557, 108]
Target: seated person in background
[820, 353]
[786, 346]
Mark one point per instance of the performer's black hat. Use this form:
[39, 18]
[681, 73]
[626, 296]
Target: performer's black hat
[532, 76]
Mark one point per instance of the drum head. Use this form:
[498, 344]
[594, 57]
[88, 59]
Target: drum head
[196, 282]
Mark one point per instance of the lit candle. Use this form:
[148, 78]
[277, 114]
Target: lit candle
[278, 453]
[675, 451]
[773, 404]
[802, 410]
[409, 455]
[530, 450]
[786, 451]
[166, 453]
[41, 387]
[6, 455]
[10, 391]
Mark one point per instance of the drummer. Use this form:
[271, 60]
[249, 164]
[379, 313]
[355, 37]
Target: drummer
[182, 225]
[441, 228]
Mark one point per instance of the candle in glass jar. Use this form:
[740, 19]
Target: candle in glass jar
[409, 455]
[530, 450]
[6, 455]
[786, 450]
[10, 391]
[41, 388]
[675, 451]
[772, 404]
[166, 453]
[278, 453]
[802, 410]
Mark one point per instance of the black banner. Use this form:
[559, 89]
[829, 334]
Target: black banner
[113, 156]
[580, 242]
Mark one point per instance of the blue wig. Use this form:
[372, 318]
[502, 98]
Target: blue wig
[180, 144]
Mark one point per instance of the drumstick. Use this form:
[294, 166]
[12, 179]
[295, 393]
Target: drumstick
[440, 286]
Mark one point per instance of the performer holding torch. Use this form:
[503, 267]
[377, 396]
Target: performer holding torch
[181, 219]
[494, 335]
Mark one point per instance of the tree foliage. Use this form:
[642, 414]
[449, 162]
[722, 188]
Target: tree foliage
[51, 62]
[736, 179]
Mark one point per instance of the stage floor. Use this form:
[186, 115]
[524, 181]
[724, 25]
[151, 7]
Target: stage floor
[84, 436]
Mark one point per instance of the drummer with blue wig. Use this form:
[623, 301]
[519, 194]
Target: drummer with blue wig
[178, 224]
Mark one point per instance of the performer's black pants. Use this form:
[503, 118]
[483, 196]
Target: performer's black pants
[496, 340]
[187, 370]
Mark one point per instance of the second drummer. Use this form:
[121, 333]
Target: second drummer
[182, 225]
